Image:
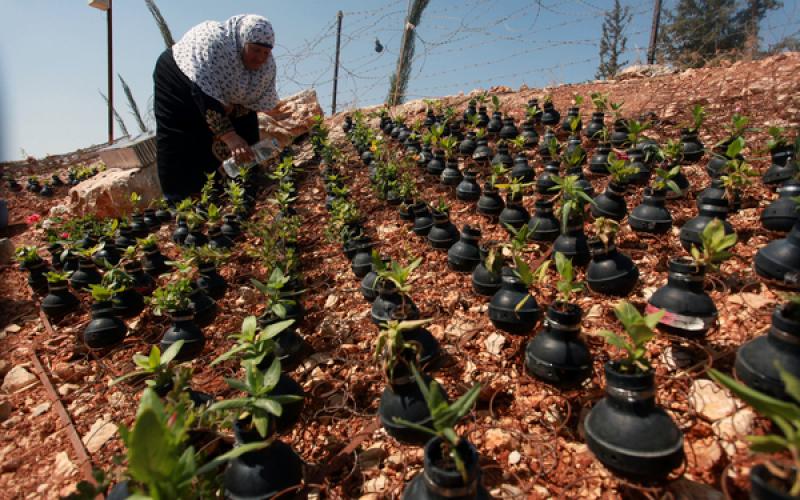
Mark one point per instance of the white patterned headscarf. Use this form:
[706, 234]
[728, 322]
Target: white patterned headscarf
[210, 55]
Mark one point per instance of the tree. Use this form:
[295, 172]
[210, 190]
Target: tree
[699, 31]
[399, 80]
[613, 41]
[749, 19]
[787, 44]
[161, 22]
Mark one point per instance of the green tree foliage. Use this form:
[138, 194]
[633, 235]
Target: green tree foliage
[696, 32]
[613, 41]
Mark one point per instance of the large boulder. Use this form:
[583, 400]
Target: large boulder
[130, 167]
[107, 194]
[301, 109]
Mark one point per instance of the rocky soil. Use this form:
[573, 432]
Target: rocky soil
[527, 432]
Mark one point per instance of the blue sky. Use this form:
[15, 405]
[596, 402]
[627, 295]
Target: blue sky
[53, 53]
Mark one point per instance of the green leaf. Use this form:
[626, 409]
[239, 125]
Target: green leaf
[235, 452]
[269, 405]
[143, 361]
[171, 352]
[673, 186]
[260, 423]
[272, 375]
[615, 340]
[652, 319]
[464, 404]
[767, 444]
[230, 404]
[279, 310]
[233, 351]
[274, 329]
[791, 384]
[148, 458]
[412, 324]
[261, 287]
[286, 399]
[154, 359]
[249, 326]
[238, 385]
[450, 435]
[523, 271]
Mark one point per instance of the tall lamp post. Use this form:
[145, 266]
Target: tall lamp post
[106, 6]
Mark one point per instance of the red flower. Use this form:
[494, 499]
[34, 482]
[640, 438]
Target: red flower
[33, 219]
[622, 156]
[65, 236]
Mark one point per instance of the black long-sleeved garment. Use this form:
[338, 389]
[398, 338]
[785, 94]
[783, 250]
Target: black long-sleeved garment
[188, 126]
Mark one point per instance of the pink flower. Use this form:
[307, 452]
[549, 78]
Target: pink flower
[33, 219]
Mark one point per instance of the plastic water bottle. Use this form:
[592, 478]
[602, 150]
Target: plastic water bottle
[263, 150]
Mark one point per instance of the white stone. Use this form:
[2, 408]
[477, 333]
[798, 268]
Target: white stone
[64, 466]
[733, 429]
[395, 459]
[514, 457]
[247, 295]
[17, 378]
[376, 485]
[12, 328]
[507, 491]
[102, 430]
[707, 453]
[494, 343]
[595, 311]
[41, 408]
[497, 439]
[648, 291]
[331, 301]
[643, 71]
[710, 400]
[59, 210]
[67, 389]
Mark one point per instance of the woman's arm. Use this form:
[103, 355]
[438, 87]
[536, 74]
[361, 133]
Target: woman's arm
[216, 115]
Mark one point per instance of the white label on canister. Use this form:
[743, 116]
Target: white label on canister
[688, 323]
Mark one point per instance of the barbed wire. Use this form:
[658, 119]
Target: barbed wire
[448, 39]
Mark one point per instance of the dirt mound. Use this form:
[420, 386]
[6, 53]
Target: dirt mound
[526, 431]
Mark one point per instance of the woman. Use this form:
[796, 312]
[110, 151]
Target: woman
[208, 87]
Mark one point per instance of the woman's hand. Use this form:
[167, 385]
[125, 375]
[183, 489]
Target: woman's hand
[240, 150]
